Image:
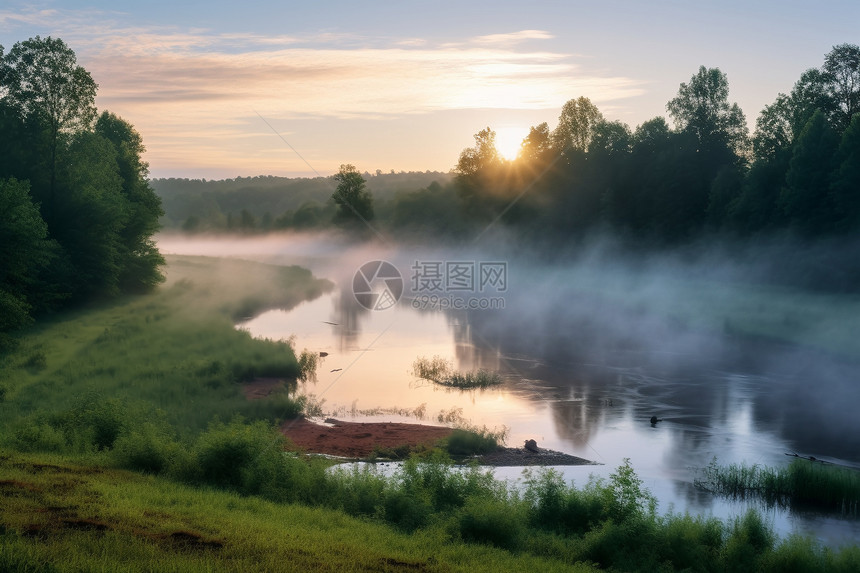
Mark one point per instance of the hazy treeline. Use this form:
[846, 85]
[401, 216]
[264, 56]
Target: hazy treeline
[265, 203]
[798, 173]
[76, 211]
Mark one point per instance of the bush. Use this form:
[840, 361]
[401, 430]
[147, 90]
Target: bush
[749, 538]
[146, 447]
[491, 521]
[38, 436]
[471, 442]
[234, 455]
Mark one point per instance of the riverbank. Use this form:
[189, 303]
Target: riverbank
[360, 440]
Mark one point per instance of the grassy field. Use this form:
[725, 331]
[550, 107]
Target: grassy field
[173, 355]
[59, 516]
[153, 384]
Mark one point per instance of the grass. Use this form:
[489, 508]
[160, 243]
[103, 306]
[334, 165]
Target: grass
[58, 515]
[173, 354]
[440, 371]
[61, 517]
[802, 483]
[153, 384]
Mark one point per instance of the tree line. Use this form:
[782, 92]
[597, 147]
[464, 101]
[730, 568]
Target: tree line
[77, 213]
[799, 172]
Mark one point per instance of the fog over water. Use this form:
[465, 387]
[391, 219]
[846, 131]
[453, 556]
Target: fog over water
[590, 347]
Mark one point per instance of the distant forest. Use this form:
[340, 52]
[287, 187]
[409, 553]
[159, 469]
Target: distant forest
[798, 173]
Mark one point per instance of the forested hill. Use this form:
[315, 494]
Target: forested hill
[200, 204]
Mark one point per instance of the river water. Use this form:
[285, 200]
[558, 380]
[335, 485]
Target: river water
[588, 353]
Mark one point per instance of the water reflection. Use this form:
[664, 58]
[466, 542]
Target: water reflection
[589, 352]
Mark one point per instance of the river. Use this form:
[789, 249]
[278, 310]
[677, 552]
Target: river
[588, 353]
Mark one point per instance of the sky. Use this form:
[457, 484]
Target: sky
[224, 89]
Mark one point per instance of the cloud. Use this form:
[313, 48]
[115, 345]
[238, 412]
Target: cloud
[190, 90]
[514, 37]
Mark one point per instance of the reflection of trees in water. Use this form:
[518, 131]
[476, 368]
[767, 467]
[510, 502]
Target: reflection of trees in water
[803, 397]
[347, 315]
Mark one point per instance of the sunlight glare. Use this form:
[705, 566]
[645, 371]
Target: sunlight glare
[509, 140]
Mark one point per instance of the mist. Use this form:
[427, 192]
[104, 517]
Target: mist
[675, 317]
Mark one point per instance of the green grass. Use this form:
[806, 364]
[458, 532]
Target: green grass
[61, 517]
[802, 483]
[153, 384]
[174, 354]
[57, 515]
[440, 371]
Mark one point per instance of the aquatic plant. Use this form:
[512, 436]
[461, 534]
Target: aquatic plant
[803, 482]
[441, 371]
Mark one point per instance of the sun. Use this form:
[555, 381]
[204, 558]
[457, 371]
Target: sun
[509, 140]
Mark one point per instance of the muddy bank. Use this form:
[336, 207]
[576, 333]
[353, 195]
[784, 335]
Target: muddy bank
[358, 440]
[523, 457]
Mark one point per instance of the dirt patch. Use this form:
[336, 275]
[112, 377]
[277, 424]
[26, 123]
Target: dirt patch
[15, 484]
[191, 540]
[260, 388]
[359, 439]
[85, 524]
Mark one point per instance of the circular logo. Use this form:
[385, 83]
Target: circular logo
[377, 285]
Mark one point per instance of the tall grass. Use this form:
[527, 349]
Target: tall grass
[175, 352]
[801, 483]
[259, 501]
[441, 371]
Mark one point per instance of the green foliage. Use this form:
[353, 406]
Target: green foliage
[624, 497]
[576, 125]
[809, 173]
[87, 179]
[702, 107]
[802, 483]
[355, 202]
[470, 442]
[845, 181]
[26, 253]
[491, 521]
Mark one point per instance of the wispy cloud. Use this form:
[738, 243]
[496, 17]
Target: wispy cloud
[190, 89]
[514, 37]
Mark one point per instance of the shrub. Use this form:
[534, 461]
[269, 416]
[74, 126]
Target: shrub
[37, 436]
[491, 521]
[146, 447]
[471, 442]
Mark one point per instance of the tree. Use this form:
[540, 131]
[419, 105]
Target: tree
[43, 83]
[94, 213]
[846, 180]
[842, 70]
[352, 197]
[26, 251]
[702, 108]
[610, 138]
[774, 128]
[576, 125]
[537, 144]
[481, 157]
[651, 135]
[140, 259]
[805, 199]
